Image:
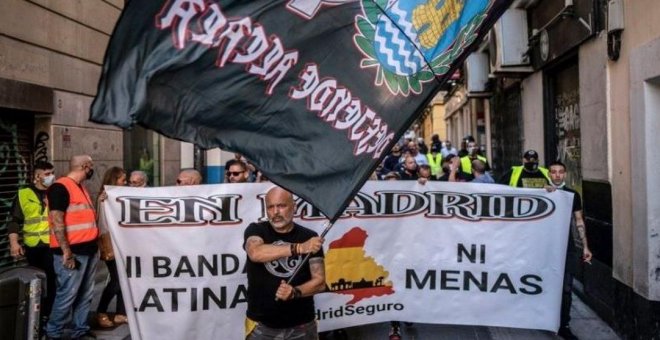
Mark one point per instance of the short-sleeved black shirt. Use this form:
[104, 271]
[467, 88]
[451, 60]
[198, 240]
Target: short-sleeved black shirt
[58, 199]
[572, 257]
[265, 278]
[577, 200]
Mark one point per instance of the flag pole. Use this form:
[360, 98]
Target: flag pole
[328, 225]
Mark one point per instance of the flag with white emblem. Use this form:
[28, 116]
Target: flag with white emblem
[313, 92]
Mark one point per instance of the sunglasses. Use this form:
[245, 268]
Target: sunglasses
[234, 173]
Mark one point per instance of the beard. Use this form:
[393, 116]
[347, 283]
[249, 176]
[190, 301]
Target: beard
[279, 222]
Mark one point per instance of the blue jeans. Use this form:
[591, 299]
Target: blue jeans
[75, 289]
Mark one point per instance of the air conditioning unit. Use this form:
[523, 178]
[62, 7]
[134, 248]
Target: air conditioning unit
[509, 44]
[477, 69]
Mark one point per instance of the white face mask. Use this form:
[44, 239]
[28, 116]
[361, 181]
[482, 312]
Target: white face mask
[48, 180]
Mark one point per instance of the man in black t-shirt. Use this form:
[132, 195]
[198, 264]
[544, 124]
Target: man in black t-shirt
[557, 171]
[274, 249]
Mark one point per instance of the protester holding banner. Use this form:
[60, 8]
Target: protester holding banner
[113, 176]
[277, 309]
[557, 176]
[138, 179]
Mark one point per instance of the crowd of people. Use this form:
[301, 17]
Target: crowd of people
[441, 162]
[65, 234]
[446, 164]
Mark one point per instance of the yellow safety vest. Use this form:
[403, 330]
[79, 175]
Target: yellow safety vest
[434, 162]
[35, 215]
[466, 163]
[516, 171]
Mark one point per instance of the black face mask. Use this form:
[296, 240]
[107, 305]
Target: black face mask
[531, 166]
[89, 174]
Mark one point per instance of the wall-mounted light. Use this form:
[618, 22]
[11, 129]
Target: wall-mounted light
[615, 25]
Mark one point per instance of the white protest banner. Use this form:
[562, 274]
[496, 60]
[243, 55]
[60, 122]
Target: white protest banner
[469, 254]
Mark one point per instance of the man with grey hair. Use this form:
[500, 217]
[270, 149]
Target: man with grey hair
[277, 309]
[189, 177]
[138, 179]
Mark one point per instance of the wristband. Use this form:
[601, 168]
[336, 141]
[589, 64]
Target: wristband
[292, 247]
[296, 293]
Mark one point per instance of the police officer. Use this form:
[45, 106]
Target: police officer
[30, 217]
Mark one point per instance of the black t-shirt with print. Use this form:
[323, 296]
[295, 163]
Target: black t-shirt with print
[265, 278]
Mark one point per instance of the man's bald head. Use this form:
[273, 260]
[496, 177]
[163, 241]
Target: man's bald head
[279, 209]
[81, 168]
[79, 161]
[279, 192]
[189, 177]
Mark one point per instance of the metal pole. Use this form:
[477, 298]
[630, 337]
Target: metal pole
[328, 225]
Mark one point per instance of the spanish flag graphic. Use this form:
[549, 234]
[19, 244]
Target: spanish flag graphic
[350, 271]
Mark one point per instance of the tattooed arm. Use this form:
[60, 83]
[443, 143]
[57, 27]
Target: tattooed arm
[582, 233]
[315, 285]
[260, 252]
[59, 230]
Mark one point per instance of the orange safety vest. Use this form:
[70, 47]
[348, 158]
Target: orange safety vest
[79, 217]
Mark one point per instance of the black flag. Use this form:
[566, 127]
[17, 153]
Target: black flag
[314, 92]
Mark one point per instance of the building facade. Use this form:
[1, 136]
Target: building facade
[51, 54]
[579, 81]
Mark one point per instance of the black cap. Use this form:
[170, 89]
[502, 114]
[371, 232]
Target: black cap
[531, 154]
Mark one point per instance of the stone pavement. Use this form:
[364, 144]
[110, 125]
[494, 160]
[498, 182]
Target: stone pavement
[585, 324]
